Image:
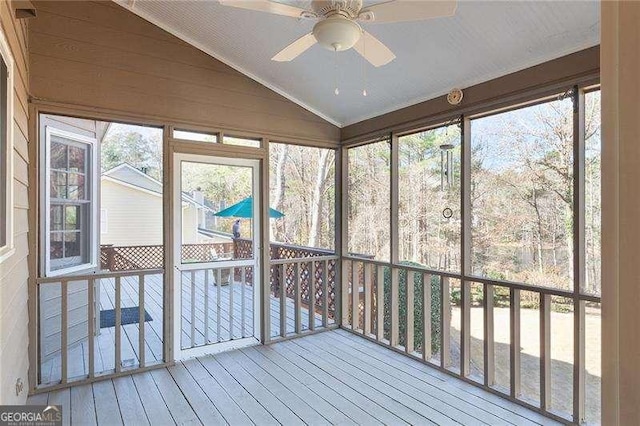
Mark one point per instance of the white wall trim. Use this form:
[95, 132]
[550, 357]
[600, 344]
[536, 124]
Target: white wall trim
[8, 249]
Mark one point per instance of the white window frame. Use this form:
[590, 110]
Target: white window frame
[8, 249]
[45, 195]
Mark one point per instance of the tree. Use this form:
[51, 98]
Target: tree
[139, 147]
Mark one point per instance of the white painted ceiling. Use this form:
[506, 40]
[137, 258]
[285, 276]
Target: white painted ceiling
[484, 40]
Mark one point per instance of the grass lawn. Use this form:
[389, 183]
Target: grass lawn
[561, 354]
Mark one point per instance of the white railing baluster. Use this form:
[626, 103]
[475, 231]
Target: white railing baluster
[394, 307]
[489, 340]
[312, 295]
[514, 310]
[118, 312]
[193, 309]
[141, 318]
[426, 317]
[579, 361]
[91, 326]
[445, 317]
[355, 296]
[243, 314]
[545, 351]
[380, 303]
[344, 291]
[325, 294]
[465, 328]
[206, 306]
[410, 324]
[283, 301]
[231, 281]
[367, 298]
[218, 304]
[64, 328]
[296, 294]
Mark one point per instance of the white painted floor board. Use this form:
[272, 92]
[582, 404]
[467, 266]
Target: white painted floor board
[333, 377]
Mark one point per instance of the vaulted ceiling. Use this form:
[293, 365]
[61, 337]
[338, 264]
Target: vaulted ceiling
[484, 40]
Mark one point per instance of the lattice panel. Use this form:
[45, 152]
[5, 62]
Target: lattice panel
[126, 258]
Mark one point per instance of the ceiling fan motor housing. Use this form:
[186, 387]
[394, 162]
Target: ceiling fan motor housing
[337, 33]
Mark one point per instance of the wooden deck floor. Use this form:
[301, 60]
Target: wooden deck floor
[328, 378]
[104, 344]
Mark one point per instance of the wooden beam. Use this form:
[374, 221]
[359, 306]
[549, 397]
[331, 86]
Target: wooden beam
[521, 86]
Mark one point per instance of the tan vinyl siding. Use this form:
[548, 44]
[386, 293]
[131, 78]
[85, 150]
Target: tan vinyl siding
[13, 271]
[99, 55]
[134, 217]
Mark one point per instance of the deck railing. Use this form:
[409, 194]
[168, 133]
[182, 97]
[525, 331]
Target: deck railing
[409, 309]
[123, 258]
[311, 283]
[70, 345]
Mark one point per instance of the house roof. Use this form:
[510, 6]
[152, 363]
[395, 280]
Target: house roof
[127, 174]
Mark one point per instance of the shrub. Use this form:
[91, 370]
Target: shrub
[418, 310]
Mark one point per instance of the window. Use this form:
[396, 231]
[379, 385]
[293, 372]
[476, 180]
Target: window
[70, 202]
[195, 136]
[522, 195]
[6, 150]
[231, 140]
[302, 185]
[369, 191]
[592, 193]
[429, 198]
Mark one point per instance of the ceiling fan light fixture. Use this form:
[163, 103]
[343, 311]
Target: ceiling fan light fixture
[337, 33]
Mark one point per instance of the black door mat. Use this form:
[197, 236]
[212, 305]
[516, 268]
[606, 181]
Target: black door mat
[127, 316]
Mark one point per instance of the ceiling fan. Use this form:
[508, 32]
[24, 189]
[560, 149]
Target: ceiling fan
[338, 25]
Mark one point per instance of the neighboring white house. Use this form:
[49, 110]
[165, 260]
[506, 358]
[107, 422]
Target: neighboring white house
[131, 210]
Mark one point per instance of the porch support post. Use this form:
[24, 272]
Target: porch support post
[394, 201]
[620, 67]
[264, 253]
[341, 242]
[167, 198]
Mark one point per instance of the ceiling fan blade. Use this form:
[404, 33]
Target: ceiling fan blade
[408, 10]
[373, 50]
[265, 6]
[295, 49]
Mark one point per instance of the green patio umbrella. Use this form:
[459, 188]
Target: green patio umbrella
[244, 209]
